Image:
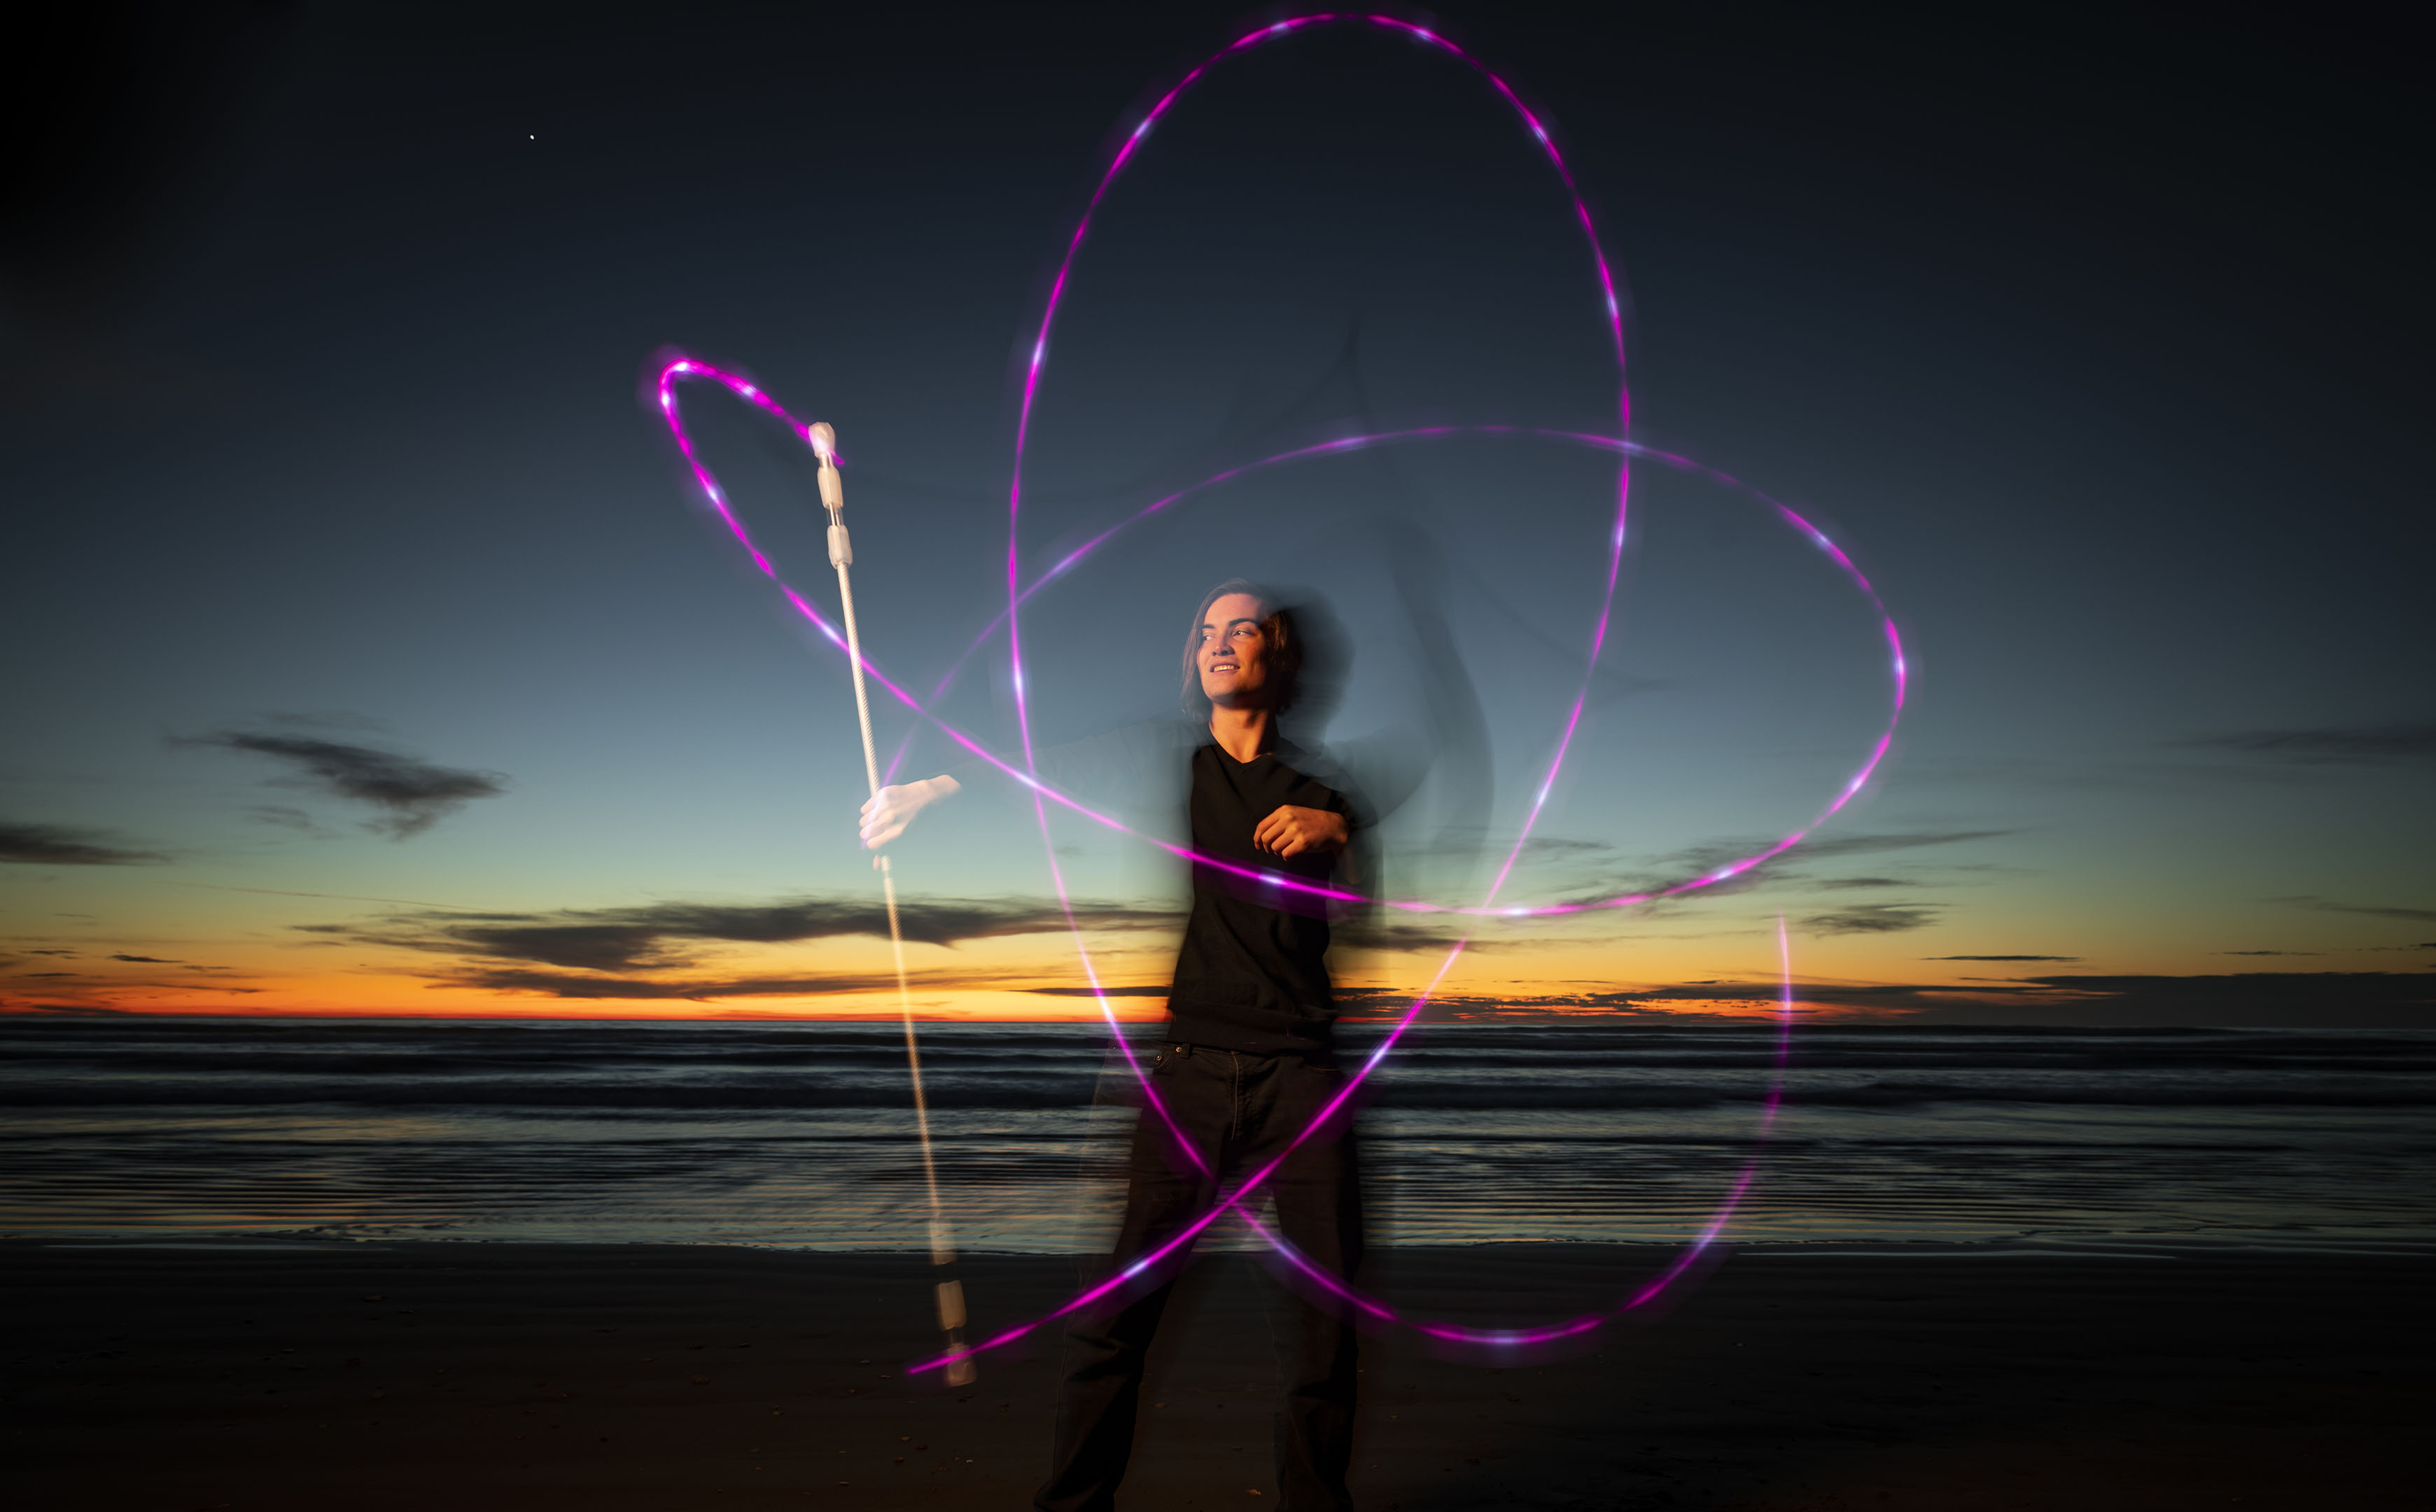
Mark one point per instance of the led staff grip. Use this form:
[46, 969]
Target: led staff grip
[943, 1245]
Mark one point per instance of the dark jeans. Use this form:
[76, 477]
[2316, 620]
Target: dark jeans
[1240, 1110]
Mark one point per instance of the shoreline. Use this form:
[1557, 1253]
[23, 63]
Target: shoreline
[396, 1373]
[2025, 1247]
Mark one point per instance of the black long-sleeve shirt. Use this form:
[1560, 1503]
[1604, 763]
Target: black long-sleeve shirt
[1251, 973]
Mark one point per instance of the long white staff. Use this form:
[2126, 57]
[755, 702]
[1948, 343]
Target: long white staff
[943, 1245]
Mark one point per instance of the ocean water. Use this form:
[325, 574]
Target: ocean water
[802, 1135]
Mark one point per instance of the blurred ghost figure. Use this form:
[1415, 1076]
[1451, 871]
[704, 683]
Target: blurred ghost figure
[1247, 1058]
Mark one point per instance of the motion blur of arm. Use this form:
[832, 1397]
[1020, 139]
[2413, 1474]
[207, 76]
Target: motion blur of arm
[885, 817]
[1109, 770]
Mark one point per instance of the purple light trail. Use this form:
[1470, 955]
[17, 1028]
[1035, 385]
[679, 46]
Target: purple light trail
[692, 368]
[1238, 1200]
[1017, 593]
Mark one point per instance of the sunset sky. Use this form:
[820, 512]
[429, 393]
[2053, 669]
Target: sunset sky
[370, 654]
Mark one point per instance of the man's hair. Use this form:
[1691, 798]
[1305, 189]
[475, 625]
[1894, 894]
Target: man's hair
[1280, 646]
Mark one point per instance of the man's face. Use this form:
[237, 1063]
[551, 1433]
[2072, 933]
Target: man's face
[1234, 655]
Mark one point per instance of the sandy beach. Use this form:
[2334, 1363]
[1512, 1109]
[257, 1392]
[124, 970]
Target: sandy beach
[604, 1377]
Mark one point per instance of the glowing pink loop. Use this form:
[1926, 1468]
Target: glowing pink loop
[1016, 593]
[1040, 351]
[691, 368]
[1236, 1199]
[1647, 1293]
[1015, 638]
[1844, 795]
[1031, 393]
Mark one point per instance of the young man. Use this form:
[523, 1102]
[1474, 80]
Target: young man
[1248, 1057]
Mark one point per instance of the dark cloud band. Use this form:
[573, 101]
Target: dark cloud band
[2368, 746]
[415, 793]
[658, 937]
[63, 845]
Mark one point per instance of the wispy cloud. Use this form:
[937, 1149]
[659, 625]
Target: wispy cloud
[1699, 861]
[1872, 918]
[147, 959]
[2356, 744]
[414, 795]
[2008, 957]
[1911, 840]
[2374, 911]
[1373, 930]
[1559, 845]
[1692, 862]
[661, 936]
[65, 845]
[2257, 999]
[343, 898]
[692, 989]
[291, 818]
[1103, 992]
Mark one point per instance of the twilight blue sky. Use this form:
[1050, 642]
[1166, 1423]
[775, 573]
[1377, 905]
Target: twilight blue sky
[370, 654]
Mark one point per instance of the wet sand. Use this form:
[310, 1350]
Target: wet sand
[465, 1377]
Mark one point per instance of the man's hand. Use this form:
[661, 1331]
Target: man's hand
[1290, 831]
[885, 817]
